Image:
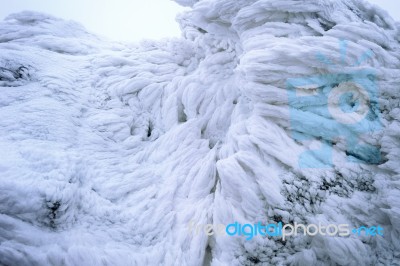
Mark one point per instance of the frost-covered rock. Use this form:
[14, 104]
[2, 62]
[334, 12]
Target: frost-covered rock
[111, 150]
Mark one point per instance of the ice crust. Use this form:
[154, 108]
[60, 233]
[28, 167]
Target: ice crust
[109, 150]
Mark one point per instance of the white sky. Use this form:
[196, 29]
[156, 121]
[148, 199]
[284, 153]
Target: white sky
[121, 20]
[391, 6]
[126, 20]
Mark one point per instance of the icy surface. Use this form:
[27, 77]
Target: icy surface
[109, 150]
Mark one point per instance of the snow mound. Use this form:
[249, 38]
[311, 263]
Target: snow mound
[111, 150]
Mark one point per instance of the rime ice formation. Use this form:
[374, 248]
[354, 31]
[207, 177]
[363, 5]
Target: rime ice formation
[109, 150]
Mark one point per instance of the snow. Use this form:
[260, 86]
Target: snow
[109, 150]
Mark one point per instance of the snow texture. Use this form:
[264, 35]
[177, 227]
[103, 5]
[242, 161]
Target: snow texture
[109, 150]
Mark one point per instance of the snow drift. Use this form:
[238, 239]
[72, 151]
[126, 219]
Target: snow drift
[109, 150]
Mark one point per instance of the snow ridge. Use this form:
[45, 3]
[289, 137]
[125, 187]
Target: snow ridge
[111, 149]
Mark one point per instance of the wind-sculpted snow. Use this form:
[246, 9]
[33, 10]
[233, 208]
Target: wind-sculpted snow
[110, 150]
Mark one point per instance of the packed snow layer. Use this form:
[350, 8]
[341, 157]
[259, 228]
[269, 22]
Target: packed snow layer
[109, 150]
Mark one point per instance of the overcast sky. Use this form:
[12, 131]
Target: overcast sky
[126, 20]
[120, 20]
[391, 6]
